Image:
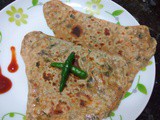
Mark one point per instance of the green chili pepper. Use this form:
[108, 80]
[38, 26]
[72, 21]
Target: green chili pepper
[76, 71]
[65, 71]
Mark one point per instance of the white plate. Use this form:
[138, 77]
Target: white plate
[23, 16]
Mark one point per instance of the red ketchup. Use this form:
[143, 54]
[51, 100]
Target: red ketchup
[5, 83]
[13, 66]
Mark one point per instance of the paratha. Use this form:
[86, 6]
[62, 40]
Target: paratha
[82, 99]
[133, 43]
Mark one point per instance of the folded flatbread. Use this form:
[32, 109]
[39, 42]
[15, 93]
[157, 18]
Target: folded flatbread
[133, 43]
[90, 99]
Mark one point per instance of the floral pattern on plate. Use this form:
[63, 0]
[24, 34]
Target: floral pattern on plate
[94, 7]
[17, 16]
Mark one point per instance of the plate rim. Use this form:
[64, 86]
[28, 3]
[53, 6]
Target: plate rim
[154, 65]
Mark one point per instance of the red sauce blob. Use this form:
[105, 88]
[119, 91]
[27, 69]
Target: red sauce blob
[13, 66]
[5, 83]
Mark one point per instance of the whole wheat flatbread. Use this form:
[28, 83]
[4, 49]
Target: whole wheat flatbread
[92, 98]
[133, 43]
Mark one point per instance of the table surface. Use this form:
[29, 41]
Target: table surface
[147, 12]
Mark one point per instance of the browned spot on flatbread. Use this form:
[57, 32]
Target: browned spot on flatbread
[59, 108]
[91, 58]
[47, 76]
[38, 64]
[75, 63]
[102, 44]
[58, 111]
[98, 32]
[77, 31]
[106, 32]
[54, 84]
[81, 85]
[120, 52]
[83, 103]
[96, 45]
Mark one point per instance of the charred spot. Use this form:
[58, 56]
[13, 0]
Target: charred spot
[81, 85]
[83, 103]
[76, 42]
[96, 45]
[72, 16]
[126, 27]
[106, 32]
[47, 76]
[37, 99]
[59, 107]
[98, 32]
[54, 84]
[75, 62]
[102, 44]
[120, 52]
[38, 64]
[77, 31]
[140, 35]
[127, 74]
[89, 25]
[77, 56]
[79, 44]
[58, 112]
[92, 19]
[91, 58]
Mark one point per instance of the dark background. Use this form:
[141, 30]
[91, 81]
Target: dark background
[147, 12]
